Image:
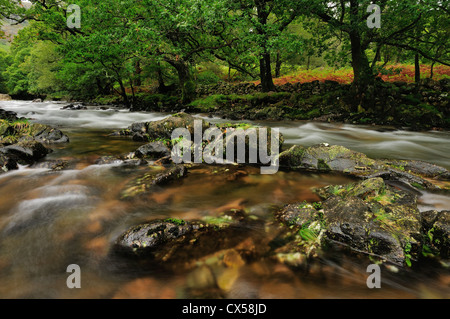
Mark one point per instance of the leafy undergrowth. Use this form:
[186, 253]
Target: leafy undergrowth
[393, 73]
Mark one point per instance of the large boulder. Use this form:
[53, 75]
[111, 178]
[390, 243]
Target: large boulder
[326, 157]
[49, 135]
[367, 217]
[162, 129]
[241, 138]
[25, 152]
[176, 242]
[154, 150]
[5, 97]
[335, 158]
[13, 131]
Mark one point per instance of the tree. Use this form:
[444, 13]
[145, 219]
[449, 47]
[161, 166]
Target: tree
[346, 21]
[5, 61]
[259, 25]
[184, 32]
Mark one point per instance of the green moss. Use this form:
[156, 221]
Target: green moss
[175, 221]
[314, 113]
[218, 221]
[417, 185]
[321, 165]
[307, 234]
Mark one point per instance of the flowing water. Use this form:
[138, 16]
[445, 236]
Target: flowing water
[49, 220]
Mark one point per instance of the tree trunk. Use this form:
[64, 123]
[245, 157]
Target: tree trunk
[186, 84]
[417, 68]
[162, 88]
[138, 70]
[363, 75]
[278, 66]
[432, 70]
[265, 69]
[123, 92]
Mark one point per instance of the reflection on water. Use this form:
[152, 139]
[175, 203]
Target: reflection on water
[49, 220]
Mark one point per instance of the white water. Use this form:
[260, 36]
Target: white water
[94, 118]
[376, 142]
[51, 219]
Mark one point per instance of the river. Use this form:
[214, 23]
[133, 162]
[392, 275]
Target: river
[49, 220]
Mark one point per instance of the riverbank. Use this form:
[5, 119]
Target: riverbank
[398, 104]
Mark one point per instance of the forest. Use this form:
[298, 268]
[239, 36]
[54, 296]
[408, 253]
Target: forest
[144, 53]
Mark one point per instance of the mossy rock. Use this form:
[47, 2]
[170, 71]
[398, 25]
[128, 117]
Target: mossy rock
[324, 157]
[25, 152]
[368, 217]
[436, 228]
[374, 218]
[162, 129]
[7, 163]
[335, 158]
[175, 243]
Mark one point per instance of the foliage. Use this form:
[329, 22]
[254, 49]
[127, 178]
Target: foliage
[125, 47]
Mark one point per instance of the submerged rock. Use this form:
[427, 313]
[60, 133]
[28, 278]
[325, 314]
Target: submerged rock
[79, 106]
[151, 180]
[54, 165]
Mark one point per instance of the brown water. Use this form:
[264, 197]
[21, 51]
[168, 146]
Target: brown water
[49, 220]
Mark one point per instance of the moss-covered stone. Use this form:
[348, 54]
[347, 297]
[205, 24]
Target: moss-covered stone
[326, 157]
[176, 243]
[368, 217]
[335, 158]
[25, 152]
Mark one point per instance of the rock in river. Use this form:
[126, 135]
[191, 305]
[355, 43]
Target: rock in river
[368, 217]
[154, 150]
[25, 152]
[172, 241]
[335, 158]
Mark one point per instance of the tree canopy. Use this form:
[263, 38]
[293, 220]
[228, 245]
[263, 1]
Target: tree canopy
[122, 44]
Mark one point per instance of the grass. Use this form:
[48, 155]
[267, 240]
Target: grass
[209, 102]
